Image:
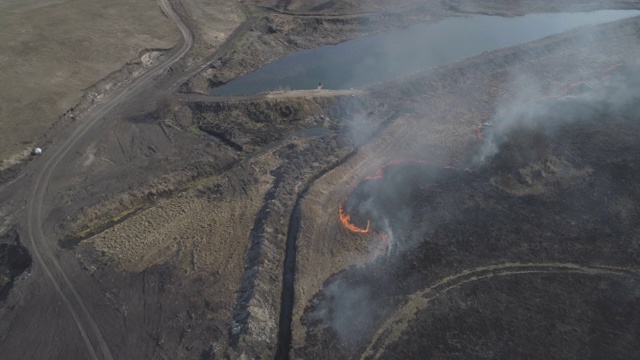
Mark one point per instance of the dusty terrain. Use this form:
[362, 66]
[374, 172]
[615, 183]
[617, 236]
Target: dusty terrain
[52, 52]
[164, 224]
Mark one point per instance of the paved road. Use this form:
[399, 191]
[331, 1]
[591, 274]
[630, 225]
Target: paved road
[42, 251]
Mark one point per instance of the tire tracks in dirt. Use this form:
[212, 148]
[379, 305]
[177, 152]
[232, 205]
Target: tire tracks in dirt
[8, 184]
[39, 245]
[392, 329]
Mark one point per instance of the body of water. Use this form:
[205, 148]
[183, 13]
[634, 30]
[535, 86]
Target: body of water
[397, 53]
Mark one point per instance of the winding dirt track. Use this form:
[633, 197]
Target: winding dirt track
[393, 327]
[41, 249]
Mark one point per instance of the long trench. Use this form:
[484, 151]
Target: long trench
[287, 297]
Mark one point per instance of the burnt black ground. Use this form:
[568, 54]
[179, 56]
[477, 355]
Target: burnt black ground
[529, 316]
[158, 321]
[379, 201]
[14, 260]
[466, 223]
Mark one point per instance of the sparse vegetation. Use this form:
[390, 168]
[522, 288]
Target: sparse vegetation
[54, 52]
[204, 227]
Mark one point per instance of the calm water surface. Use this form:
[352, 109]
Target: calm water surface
[397, 53]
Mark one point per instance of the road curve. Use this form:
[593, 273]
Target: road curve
[393, 327]
[42, 176]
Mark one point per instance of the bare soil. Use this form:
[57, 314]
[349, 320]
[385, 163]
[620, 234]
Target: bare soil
[52, 52]
[176, 216]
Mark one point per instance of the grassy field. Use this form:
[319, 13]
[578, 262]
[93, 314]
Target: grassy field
[51, 50]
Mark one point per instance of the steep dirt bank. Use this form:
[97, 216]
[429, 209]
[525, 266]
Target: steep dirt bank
[250, 125]
[182, 216]
[198, 270]
[186, 257]
[243, 129]
[439, 111]
[253, 333]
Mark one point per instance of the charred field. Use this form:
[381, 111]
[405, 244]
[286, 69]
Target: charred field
[485, 208]
[533, 253]
[448, 228]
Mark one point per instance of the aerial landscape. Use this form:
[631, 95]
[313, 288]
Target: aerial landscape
[320, 179]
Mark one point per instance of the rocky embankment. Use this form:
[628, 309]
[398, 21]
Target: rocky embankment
[248, 126]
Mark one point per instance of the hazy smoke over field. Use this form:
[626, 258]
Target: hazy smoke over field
[347, 310]
[616, 91]
[529, 106]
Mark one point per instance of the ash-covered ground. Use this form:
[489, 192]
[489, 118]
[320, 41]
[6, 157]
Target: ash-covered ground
[532, 255]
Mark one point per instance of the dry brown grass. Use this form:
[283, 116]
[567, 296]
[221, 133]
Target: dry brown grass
[198, 235]
[190, 230]
[51, 50]
[215, 21]
[324, 246]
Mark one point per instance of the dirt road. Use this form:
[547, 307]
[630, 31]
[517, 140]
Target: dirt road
[44, 168]
[153, 285]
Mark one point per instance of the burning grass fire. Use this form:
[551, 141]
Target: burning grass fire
[379, 204]
[345, 219]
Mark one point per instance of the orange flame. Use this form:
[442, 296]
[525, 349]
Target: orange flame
[567, 91]
[383, 246]
[609, 71]
[345, 219]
